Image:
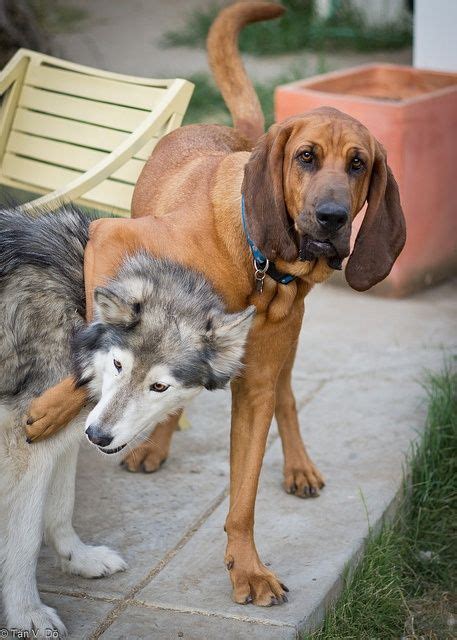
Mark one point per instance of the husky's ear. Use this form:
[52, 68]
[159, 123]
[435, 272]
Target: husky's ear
[112, 308]
[226, 334]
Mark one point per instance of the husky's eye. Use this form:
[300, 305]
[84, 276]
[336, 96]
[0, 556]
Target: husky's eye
[117, 364]
[158, 387]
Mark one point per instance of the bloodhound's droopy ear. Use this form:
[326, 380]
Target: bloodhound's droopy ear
[266, 214]
[382, 235]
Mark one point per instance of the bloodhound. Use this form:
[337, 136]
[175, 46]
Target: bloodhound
[265, 218]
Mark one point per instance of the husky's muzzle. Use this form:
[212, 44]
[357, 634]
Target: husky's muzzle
[101, 439]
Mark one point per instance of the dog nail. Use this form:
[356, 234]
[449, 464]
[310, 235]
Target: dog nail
[285, 599]
[28, 440]
[248, 599]
[283, 586]
[313, 491]
[29, 421]
[229, 565]
[273, 601]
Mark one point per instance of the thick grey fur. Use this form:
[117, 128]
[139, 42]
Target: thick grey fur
[173, 312]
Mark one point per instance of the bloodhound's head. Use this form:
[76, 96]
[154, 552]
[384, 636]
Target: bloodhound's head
[306, 180]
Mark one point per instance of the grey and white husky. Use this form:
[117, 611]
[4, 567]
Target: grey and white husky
[160, 335]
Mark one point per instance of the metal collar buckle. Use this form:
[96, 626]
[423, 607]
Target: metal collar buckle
[260, 273]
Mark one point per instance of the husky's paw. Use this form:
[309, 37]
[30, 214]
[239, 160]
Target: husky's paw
[93, 562]
[41, 621]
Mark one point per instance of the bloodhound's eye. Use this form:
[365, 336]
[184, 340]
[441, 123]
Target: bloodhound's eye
[117, 365]
[306, 157]
[158, 387]
[356, 164]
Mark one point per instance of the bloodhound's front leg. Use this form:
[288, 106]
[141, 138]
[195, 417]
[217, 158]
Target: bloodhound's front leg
[301, 476]
[253, 405]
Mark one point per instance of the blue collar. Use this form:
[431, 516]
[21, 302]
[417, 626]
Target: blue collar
[261, 263]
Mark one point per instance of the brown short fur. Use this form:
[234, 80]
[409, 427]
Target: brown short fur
[186, 206]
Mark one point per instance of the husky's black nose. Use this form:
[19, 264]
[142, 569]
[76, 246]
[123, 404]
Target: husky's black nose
[331, 216]
[97, 436]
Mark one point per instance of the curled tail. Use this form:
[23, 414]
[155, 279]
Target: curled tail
[228, 69]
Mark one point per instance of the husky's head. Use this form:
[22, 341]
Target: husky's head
[159, 337]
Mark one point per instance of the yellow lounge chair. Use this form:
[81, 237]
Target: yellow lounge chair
[77, 133]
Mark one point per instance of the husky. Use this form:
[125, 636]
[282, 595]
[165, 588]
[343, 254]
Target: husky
[159, 336]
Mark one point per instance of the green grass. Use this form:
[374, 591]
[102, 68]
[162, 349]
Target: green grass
[207, 105]
[405, 585]
[300, 28]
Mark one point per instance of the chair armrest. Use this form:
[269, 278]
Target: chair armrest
[14, 70]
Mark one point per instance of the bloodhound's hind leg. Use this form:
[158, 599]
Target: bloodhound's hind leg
[150, 455]
[301, 476]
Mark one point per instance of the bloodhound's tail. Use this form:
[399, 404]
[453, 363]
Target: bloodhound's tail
[227, 66]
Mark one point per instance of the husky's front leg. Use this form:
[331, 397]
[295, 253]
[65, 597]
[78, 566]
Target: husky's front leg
[76, 557]
[24, 507]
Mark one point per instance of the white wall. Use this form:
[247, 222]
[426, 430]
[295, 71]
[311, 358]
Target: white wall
[375, 11]
[435, 34]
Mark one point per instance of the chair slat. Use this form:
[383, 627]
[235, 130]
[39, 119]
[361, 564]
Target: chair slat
[80, 133]
[84, 86]
[32, 172]
[109, 192]
[55, 128]
[67, 155]
[80, 109]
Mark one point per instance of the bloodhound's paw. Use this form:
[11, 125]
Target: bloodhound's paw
[147, 457]
[302, 478]
[252, 582]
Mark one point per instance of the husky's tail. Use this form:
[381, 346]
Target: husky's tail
[227, 66]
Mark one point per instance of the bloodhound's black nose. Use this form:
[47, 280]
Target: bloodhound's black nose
[331, 215]
[97, 436]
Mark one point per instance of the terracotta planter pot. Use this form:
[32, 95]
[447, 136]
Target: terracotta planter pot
[414, 114]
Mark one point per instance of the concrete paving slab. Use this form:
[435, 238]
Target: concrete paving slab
[358, 439]
[80, 615]
[346, 333]
[137, 623]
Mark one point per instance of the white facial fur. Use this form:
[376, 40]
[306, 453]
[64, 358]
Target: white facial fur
[126, 411]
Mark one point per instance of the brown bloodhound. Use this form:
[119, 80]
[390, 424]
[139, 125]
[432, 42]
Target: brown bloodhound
[302, 182]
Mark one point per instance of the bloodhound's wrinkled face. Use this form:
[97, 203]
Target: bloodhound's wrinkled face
[306, 180]
[327, 168]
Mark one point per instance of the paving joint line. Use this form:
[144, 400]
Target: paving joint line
[122, 605]
[83, 595]
[210, 614]
[130, 595]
